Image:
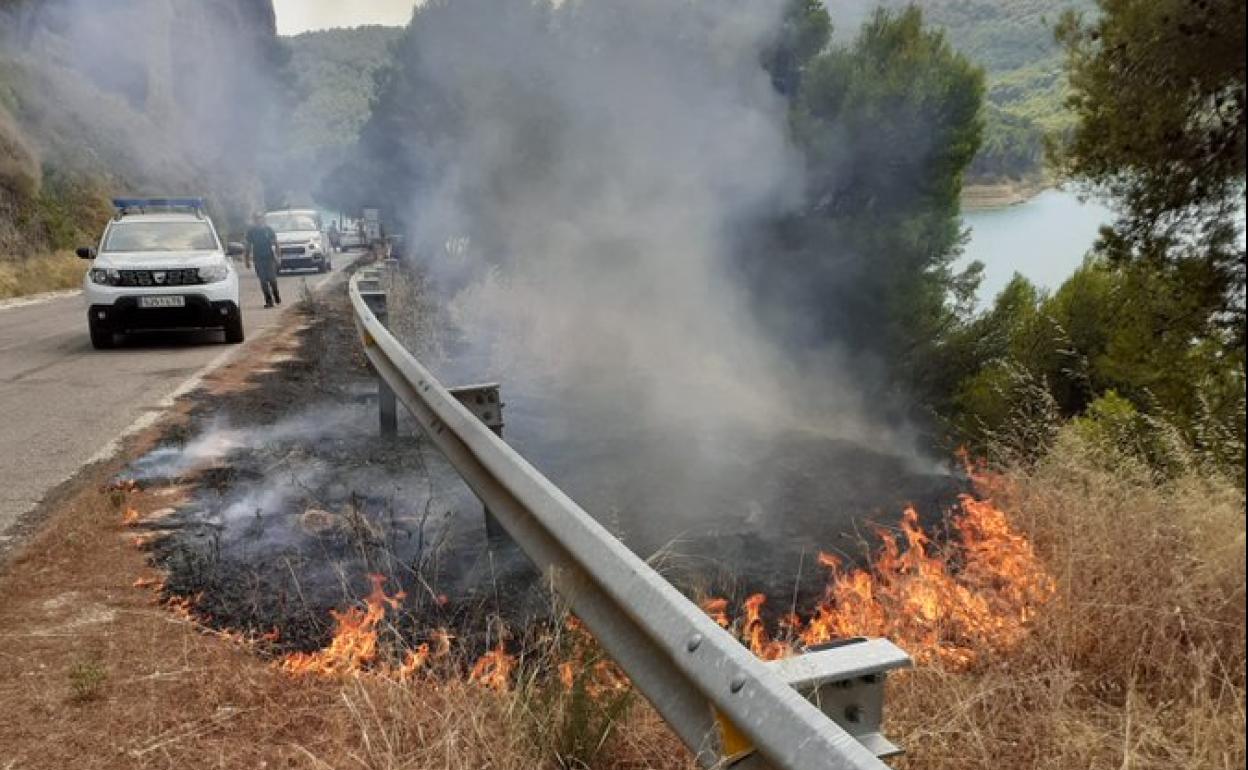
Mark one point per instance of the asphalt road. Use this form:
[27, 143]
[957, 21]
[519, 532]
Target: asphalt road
[64, 404]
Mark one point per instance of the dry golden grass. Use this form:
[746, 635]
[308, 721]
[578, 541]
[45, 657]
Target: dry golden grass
[62, 270]
[1139, 662]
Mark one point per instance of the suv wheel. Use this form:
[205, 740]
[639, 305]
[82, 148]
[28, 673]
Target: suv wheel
[102, 338]
[234, 329]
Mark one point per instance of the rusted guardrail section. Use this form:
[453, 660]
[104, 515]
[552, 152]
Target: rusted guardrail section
[817, 711]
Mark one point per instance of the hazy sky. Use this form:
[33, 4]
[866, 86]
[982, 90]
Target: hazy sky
[295, 16]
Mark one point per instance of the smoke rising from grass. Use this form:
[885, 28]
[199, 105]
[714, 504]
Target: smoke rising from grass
[588, 172]
[602, 160]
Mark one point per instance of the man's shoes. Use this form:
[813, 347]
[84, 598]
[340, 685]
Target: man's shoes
[278, 300]
[268, 304]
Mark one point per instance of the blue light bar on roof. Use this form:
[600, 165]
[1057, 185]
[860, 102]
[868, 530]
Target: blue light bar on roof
[144, 204]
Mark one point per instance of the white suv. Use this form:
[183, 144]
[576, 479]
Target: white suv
[301, 240]
[160, 265]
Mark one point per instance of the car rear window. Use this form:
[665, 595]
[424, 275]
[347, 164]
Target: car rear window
[160, 236]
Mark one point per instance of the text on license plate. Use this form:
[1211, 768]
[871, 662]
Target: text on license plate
[154, 302]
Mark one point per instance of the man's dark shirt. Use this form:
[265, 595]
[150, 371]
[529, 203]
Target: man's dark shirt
[263, 241]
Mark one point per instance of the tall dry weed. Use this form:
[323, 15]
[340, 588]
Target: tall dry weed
[1139, 661]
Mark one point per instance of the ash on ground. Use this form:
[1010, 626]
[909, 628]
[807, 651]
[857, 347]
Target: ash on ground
[297, 499]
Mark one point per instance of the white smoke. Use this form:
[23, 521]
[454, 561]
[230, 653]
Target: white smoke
[603, 161]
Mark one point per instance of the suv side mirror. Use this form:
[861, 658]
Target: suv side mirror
[85, 252]
[235, 249]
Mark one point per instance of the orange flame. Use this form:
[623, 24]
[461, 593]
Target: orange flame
[718, 610]
[596, 676]
[353, 648]
[130, 517]
[755, 631]
[950, 606]
[413, 662]
[493, 669]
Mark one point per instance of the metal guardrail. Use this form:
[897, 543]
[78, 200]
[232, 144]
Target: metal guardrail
[730, 708]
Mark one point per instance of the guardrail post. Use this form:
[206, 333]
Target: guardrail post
[387, 405]
[845, 679]
[485, 402]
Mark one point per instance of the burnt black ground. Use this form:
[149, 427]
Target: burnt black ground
[297, 500]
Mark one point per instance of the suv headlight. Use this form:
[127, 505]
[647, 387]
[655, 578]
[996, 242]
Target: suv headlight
[214, 273]
[105, 277]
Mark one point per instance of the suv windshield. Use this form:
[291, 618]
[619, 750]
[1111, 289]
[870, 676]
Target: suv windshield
[288, 223]
[160, 236]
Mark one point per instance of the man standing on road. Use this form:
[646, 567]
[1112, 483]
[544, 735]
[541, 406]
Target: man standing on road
[335, 238]
[262, 247]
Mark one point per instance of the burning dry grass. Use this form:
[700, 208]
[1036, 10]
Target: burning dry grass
[1100, 624]
[1137, 662]
[969, 599]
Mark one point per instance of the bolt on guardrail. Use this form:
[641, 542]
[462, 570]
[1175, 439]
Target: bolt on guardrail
[820, 710]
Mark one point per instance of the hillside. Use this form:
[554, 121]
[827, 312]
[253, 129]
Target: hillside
[87, 112]
[1013, 41]
[333, 74]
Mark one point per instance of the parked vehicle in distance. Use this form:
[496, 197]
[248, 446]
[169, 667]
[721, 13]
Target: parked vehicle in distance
[350, 236]
[160, 265]
[301, 240]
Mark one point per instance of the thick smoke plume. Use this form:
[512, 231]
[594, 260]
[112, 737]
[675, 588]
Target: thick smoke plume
[587, 172]
[587, 177]
[602, 160]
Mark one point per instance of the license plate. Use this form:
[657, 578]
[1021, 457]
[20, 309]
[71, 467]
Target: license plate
[156, 302]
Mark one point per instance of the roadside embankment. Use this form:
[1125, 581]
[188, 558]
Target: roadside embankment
[1001, 194]
[23, 277]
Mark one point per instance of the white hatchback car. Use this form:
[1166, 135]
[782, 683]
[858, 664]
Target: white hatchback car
[161, 265]
[301, 239]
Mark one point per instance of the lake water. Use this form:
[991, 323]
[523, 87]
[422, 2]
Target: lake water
[1044, 239]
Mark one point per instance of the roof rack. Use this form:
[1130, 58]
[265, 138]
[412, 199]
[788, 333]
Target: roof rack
[126, 206]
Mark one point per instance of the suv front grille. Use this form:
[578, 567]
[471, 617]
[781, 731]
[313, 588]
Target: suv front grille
[182, 277]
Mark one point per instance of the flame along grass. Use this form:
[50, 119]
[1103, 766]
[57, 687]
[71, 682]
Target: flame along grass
[1137, 659]
[976, 595]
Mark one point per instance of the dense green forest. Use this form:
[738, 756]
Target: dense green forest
[1014, 41]
[332, 76]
